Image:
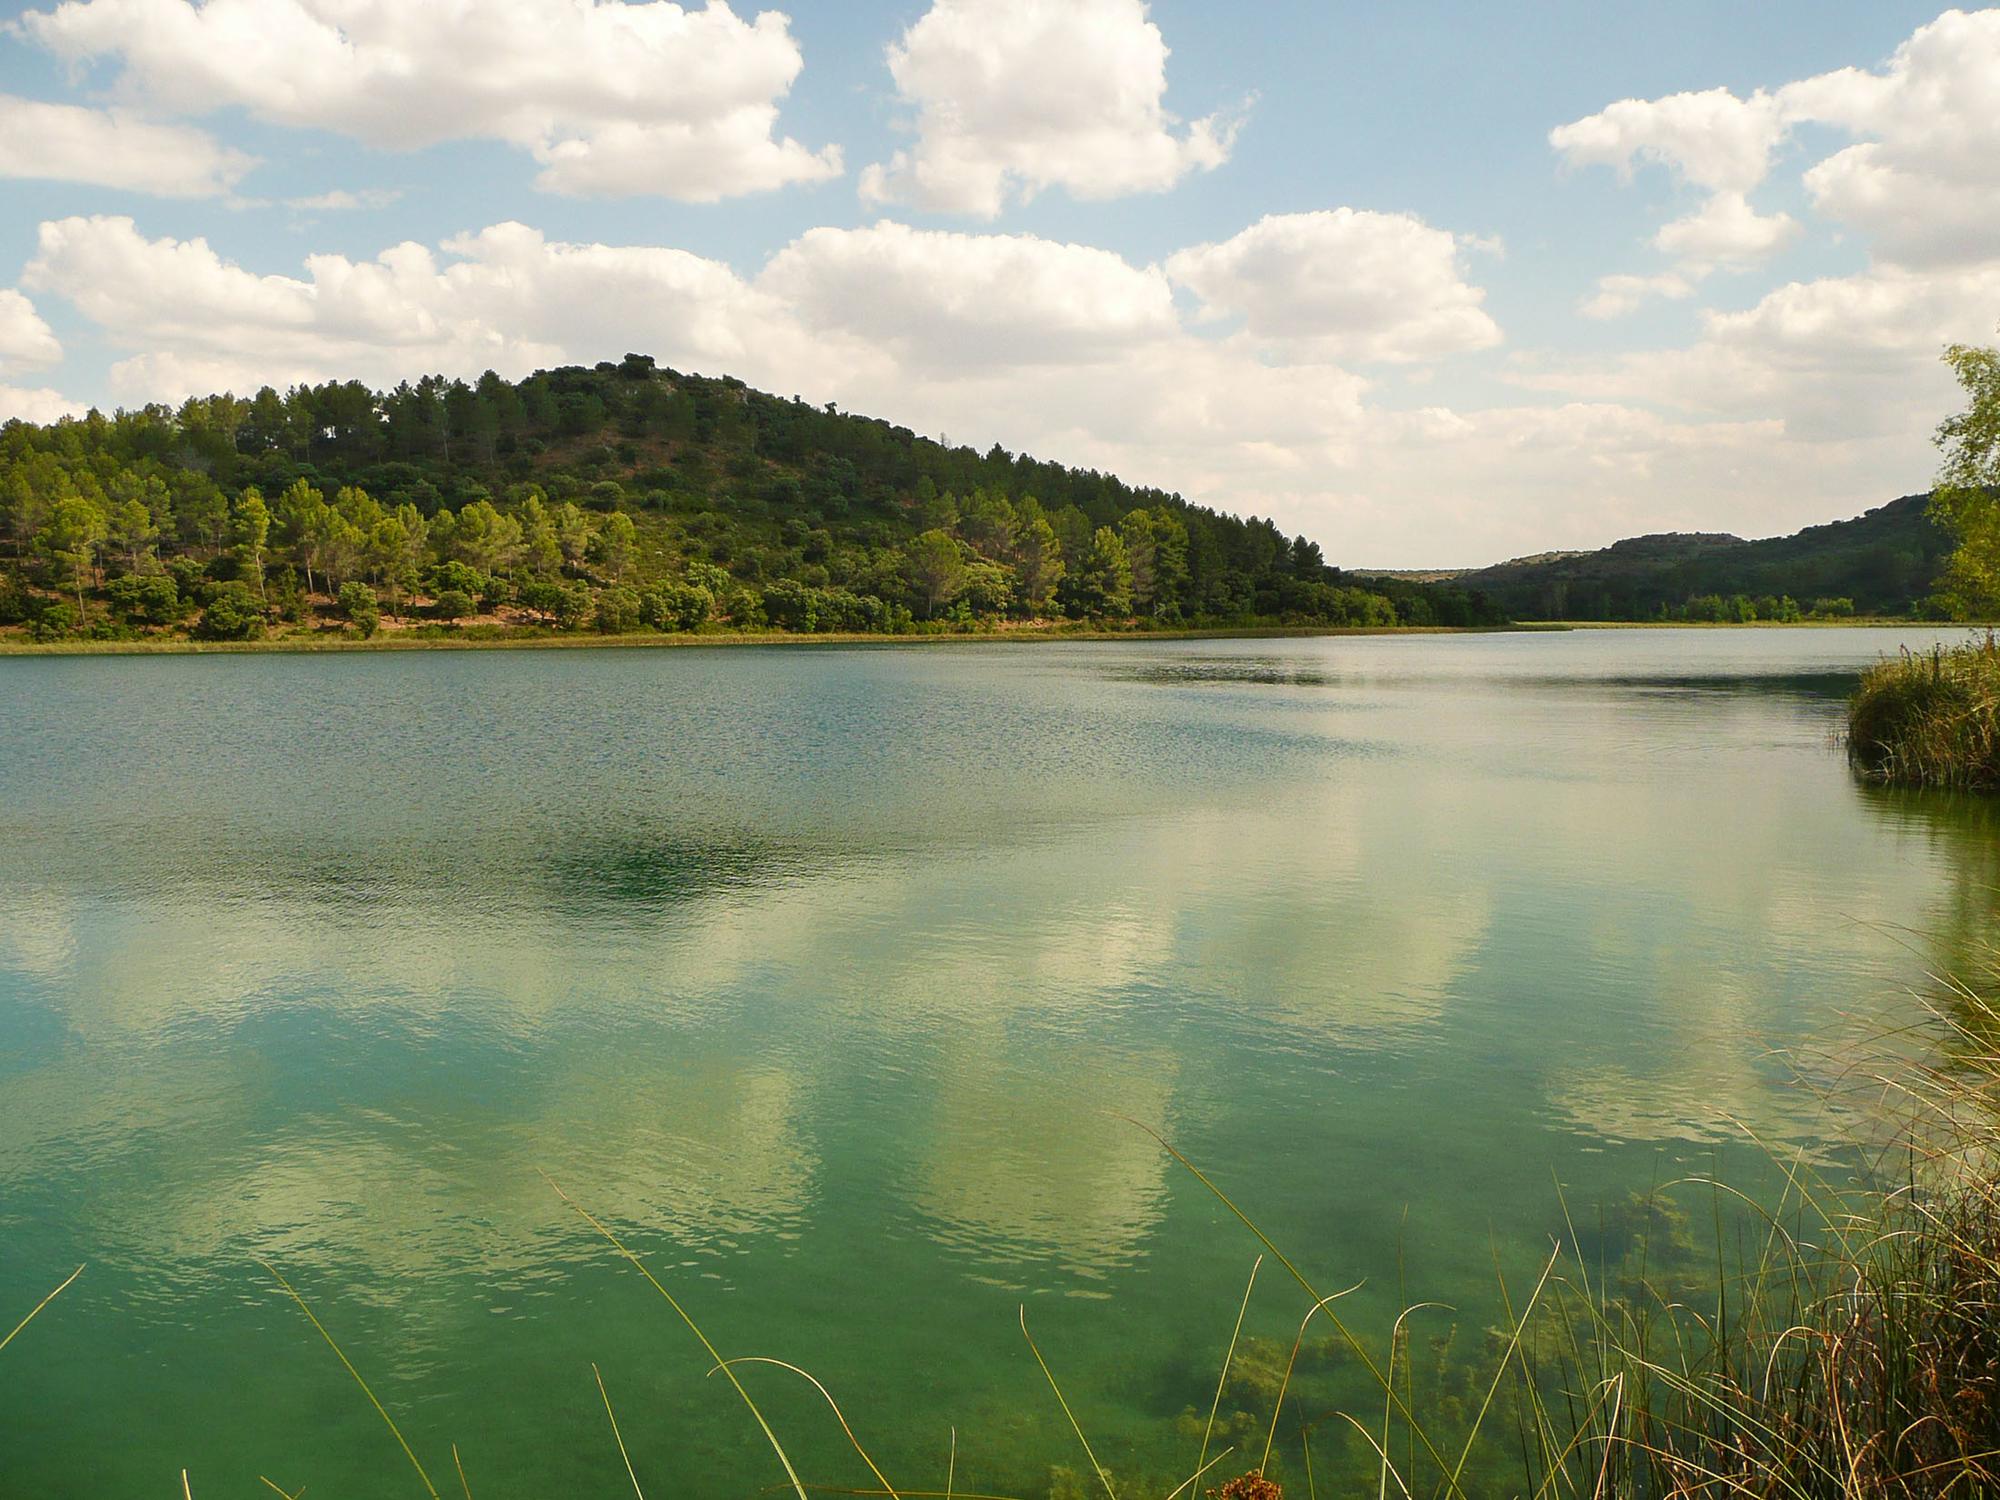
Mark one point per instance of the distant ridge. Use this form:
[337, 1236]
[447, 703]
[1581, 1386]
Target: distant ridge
[1883, 562]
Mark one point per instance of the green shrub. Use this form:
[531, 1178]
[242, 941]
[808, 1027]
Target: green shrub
[452, 604]
[146, 599]
[359, 604]
[16, 604]
[455, 577]
[563, 605]
[676, 606]
[233, 613]
[791, 606]
[617, 611]
[55, 621]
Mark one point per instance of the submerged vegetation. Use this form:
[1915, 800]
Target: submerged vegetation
[1840, 1342]
[615, 500]
[1837, 1342]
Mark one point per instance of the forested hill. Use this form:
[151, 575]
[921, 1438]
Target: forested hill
[617, 498]
[1881, 563]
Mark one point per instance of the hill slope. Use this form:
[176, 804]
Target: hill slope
[613, 497]
[1882, 563]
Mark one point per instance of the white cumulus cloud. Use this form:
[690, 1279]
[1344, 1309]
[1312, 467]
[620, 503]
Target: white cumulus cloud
[37, 404]
[940, 299]
[1922, 183]
[25, 340]
[1341, 284]
[115, 149]
[1015, 96]
[506, 298]
[345, 200]
[610, 97]
[1618, 295]
[1726, 231]
[1712, 139]
[1840, 361]
[1918, 180]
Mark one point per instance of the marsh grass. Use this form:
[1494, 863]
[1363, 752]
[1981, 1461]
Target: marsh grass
[1835, 1339]
[1931, 719]
[1852, 1350]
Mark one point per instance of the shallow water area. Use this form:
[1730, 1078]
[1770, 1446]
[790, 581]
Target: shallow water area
[828, 977]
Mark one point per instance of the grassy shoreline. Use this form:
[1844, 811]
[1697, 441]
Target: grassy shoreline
[581, 640]
[301, 644]
[1848, 622]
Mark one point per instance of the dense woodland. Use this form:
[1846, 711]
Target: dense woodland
[621, 498]
[1886, 562]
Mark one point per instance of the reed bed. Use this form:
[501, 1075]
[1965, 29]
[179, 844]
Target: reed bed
[1850, 1349]
[1931, 719]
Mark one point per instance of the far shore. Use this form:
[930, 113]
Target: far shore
[1849, 622]
[328, 641]
[586, 640]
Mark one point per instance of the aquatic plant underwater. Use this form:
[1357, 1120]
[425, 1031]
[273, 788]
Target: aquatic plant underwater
[1843, 1340]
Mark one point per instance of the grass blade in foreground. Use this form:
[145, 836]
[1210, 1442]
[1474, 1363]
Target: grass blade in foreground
[40, 1305]
[1096, 1467]
[1347, 1334]
[840, 1417]
[1208, 1432]
[798, 1485]
[616, 1436]
[381, 1410]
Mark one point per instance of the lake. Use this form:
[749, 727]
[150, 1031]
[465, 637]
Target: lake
[829, 978]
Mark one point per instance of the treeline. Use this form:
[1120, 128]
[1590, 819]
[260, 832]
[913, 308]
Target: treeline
[618, 498]
[1741, 609]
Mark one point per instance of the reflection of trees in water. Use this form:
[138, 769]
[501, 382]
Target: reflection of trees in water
[669, 869]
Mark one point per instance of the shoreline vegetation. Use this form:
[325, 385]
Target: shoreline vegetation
[506, 640]
[1931, 719]
[478, 638]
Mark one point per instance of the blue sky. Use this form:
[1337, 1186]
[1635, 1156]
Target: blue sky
[1340, 264]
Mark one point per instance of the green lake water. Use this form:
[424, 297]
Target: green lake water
[825, 977]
